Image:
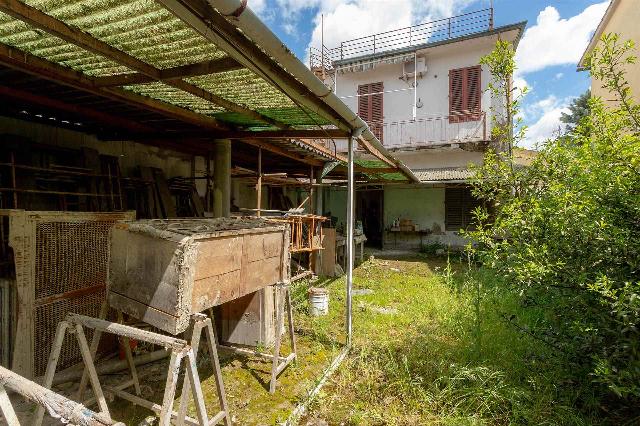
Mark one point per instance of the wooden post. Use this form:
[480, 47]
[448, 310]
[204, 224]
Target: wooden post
[276, 346]
[259, 184]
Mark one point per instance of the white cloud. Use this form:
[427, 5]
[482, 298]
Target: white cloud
[547, 113]
[556, 41]
[258, 6]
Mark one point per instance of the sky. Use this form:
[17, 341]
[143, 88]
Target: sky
[557, 34]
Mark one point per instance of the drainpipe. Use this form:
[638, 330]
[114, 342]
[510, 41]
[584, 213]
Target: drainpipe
[243, 18]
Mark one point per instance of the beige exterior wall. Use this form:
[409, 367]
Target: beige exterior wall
[624, 19]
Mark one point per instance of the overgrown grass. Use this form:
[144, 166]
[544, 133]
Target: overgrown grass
[433, 345]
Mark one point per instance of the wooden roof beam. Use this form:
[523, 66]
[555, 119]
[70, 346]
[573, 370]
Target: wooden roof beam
[286, 134]
[282, 152]
[53, 26]
[191, 70]
[82, 111]
[17, 59]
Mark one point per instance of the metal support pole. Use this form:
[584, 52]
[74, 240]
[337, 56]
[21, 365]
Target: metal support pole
[415, 84]
[259, 183]
[350, 220]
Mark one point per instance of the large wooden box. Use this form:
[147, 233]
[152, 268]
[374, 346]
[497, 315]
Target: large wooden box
[162, 271]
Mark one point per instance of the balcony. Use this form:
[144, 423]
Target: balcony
[424, 132]
[431, 131]
[475, 22]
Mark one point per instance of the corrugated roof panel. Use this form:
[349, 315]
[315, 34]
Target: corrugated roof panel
[146, 30]
[243, 87]
[141, 28]
[175, 96]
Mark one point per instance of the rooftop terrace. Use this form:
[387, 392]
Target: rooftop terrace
[415, 35]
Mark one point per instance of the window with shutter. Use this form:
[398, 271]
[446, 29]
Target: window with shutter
[370, 107]
[465, 93]
[459, 204]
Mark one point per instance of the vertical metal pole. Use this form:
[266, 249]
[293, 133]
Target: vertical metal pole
[491, 15]
[415, 84]
[259, 184]
[350, 217]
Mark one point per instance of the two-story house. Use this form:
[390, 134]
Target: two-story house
[423, 93]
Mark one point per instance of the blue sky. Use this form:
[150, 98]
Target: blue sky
[556, 36]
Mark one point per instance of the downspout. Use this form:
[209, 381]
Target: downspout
[243, 18]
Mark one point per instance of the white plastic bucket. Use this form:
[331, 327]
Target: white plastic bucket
[318, 301]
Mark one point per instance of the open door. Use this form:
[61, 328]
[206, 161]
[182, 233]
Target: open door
[369, 208]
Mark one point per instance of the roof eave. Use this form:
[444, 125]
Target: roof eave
[582, 66]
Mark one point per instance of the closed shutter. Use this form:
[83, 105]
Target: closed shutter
[465, 94]
[453, 202]
[459, 205]
[370, 106]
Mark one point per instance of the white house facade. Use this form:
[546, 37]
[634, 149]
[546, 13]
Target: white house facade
[424, 94]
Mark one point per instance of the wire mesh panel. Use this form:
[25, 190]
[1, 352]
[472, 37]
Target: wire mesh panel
[61, 266]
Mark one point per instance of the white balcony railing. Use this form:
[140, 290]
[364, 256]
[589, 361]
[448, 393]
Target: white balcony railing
[424, 132]
[431, 130]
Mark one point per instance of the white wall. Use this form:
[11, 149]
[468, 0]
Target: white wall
[424, 205]
[433, 87]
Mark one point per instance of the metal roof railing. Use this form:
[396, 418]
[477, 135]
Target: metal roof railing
[415, 35]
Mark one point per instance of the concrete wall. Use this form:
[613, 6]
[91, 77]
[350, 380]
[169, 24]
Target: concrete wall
[423, 204]
[130, 154]
[624, 21]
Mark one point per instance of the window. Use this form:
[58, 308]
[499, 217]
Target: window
[459, 205]
[465, 92]
[370, 106]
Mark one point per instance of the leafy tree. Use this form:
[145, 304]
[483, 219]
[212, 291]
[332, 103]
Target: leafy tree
[565, 233]
[578, 109]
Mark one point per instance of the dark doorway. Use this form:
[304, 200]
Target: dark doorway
[369, 208]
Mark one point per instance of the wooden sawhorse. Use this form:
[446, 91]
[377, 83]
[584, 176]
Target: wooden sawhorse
[180, 350]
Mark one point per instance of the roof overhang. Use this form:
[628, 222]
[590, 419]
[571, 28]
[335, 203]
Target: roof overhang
[582, 66]
[182, 60]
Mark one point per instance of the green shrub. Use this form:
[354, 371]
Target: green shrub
[565, 233]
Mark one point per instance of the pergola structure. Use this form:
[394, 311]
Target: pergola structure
[186, 75]
[176, 74]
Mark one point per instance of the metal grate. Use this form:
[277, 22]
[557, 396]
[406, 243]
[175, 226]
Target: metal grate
[61, 263]
[47, 318]
[70, 256]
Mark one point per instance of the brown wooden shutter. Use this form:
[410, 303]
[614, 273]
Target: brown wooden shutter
[370, 106]
[465, 94]
[456, 99]
[459, 205]
[363, 102]
[453, 207]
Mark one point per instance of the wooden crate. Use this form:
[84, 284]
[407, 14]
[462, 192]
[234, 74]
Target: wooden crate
[61, 267]
[249, 320]
[162, 271]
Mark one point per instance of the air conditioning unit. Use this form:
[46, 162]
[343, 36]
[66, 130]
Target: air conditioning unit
[409, 68]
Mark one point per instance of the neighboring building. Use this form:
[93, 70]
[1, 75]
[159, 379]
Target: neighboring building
[423, 93]
[622, 17]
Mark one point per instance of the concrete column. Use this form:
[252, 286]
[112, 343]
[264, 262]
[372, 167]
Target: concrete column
[222, 178]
